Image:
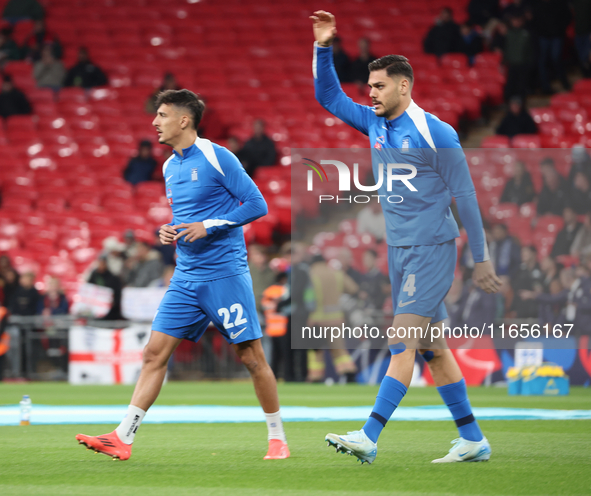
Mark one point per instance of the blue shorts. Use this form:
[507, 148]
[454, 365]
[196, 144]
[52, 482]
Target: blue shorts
[421, 277]
[188, 307]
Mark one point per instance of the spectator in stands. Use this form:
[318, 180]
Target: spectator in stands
[262, 275]
[550, 271]
[25, 299]
[143, 267]
[472, 43]
[49, 72]
[259, 150]
[141, 167]
[12, 100]
[345, 257]
[329, 286]
[444, 37]
[301, 305]
[529, 278]
[85, 74]
[550, 21]
[169, 82]
[359, 67]
[342, 62]
[581, 194]
[504, 251]
[9, 50]
[211, 126]
[370, 219]
[20, 10]
[114, 251]
[164, 281]
[565, 238]
[129, 244]
[582, 243]
[54, 301]
[498, 37]
[482, 11]
[582, 15]
[375, 285]
[102, 276]
[554, 192]
[517, 57]
[473, 307]
[10, 284]
[520, 188]
[517, 120]
[39, 38]
[581, 162]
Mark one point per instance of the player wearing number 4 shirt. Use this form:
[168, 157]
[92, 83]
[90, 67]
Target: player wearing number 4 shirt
[211, 198]
[420, 234]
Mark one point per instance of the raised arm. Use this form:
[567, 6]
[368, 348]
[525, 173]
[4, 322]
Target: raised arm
[328, 89]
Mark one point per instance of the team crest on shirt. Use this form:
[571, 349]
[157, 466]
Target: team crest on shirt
[193, 174]
[380, 140]
[169, 196]
[405, 145]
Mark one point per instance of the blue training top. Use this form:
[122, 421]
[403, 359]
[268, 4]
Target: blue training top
[206, 184]
[426, 155]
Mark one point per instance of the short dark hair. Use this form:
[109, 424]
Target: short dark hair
[185, 99]
[395, 65]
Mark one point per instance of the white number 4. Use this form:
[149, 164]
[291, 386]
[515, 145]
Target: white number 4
[236, 307]
[409, 286]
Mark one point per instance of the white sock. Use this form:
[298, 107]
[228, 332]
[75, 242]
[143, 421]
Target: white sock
[129, 425]
[275, 426]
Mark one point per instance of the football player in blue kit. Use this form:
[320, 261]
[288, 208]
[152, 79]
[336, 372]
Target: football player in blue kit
[421, 234]
[211, 197]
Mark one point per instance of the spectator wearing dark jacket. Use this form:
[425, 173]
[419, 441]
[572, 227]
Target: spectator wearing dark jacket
[85, 74]
[54, 301]
[482, 11]
[342, 62]
[472, 43]
[18, 10]
[517, 57]
[444, 37]
[550, 21]
[9, 50]
[259, 150]
[359, 67]
[566, 236]
[504, 251]
[473, 308]
[39, 38]
[517, 120]
[169, 82]
[101, 276]
[520, 188]
[25, 299]
[12, 100]
[142, 167]
[581, 194]
[552, 199]
[528, 277]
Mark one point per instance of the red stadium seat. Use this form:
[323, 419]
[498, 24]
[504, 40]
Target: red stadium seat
[526, 141]
[495, 142]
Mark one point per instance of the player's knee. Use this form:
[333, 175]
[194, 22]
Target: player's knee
[250, 361]
[152, 357]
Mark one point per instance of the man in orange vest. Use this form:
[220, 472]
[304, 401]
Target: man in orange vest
[276, 322]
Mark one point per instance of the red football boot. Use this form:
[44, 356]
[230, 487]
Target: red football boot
[278, 450]
[107, 444]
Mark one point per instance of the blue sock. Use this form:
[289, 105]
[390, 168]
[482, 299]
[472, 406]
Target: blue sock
[455, 397]
[389, 396]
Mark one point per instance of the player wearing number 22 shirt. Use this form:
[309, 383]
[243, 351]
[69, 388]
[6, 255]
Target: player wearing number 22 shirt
[211, 197]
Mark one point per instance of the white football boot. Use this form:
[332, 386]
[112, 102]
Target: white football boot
[467, 451]
[355, 443]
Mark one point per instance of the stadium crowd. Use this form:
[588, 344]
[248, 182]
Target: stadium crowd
[529, 36]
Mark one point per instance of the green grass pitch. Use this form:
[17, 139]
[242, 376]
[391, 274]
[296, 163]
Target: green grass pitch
[529, 457]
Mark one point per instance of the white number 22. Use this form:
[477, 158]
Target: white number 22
[236, 307]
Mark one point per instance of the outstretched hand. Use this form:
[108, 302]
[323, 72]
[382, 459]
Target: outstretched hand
[324, 26]
[485, 277]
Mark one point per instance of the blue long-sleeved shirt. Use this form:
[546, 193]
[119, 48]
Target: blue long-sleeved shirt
[206, 184]
[420, 144]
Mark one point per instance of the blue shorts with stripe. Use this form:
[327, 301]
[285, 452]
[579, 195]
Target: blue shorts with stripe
[421, 277]
[188, 307]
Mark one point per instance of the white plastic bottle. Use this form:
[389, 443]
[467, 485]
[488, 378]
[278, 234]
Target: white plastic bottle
[26, 406]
